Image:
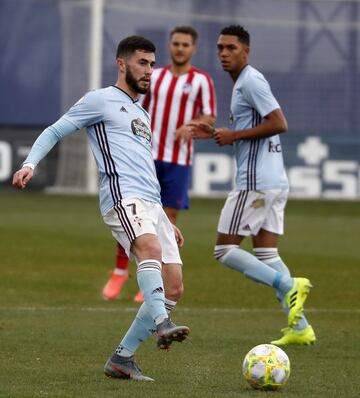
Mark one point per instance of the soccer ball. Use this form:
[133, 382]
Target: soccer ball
[266, 367]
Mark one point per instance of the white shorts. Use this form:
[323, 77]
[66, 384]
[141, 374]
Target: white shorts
[134, 217]
[246, 212]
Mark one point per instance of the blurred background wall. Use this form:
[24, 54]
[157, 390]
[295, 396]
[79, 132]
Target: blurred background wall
[308, 50]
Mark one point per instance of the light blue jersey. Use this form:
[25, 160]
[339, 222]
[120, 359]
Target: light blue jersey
[259, 161]
[120, 139]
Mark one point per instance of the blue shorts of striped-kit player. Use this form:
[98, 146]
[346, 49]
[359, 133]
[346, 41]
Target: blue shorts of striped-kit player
[174, 183]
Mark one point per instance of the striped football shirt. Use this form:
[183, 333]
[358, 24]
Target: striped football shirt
[173, 101]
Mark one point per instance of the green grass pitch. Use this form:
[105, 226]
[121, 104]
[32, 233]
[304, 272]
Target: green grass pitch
[56, 332]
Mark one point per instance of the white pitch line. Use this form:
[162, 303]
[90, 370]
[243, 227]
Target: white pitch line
[179, 309]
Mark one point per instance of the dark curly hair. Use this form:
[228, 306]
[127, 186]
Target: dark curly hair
[239, 31]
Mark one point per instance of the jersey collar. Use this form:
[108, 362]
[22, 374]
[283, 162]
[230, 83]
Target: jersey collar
[133, 101]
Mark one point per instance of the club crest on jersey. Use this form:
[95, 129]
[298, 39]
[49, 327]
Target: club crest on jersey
[187, 88]
[140, 129]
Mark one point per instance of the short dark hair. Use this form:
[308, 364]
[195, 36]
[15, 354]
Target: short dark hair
[130, 44]
[237, 30]
[188, 30]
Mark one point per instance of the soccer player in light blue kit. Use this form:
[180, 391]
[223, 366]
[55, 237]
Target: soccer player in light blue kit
[118, 129]
[256, 206]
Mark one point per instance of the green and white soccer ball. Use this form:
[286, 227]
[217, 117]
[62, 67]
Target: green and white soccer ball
[266, 367]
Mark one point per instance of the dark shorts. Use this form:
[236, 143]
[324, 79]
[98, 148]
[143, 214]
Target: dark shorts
[174, 183]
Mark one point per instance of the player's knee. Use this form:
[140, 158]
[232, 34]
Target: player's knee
[149, 249]
[220, 251]
[174, 290]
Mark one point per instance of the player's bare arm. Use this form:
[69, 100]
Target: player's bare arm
[22, 177]
[185, 132]
[201, 130]
[224, 136]
[274, 123]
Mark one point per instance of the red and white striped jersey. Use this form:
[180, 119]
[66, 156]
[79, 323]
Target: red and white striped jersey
[173, 101]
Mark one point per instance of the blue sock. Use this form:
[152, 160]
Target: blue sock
[140, 330]
[250, 266]
[152, 287]
[271, 257]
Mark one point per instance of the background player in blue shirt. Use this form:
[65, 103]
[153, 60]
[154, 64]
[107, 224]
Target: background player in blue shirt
[256, 205]
[119, 133]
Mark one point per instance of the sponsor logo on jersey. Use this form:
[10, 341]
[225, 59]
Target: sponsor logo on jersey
[123, 109]
[140, 129]
[275, 148]
[187, 88]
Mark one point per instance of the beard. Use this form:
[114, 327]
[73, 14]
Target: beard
[133, 83]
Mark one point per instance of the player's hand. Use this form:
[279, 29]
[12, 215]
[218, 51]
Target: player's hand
[22, 177]
[201, 130]
[224, 136]
[178, 236]
[183, 133]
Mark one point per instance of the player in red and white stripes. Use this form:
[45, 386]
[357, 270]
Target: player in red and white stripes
[180, 94]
